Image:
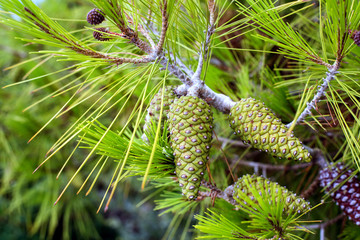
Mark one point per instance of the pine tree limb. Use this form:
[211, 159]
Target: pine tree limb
[311, 189]
[181, 65]
[197, 84]
[87, 51]
[222, 102]
[216, 192]
[274, 167]
[176, 61]
[318, 159]
[145, 33]
[134, 38]
[325, 224]
[175, 70]
[164, 27]
[232, 142]
[330, 75]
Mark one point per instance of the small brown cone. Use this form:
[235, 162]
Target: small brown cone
[95, 16]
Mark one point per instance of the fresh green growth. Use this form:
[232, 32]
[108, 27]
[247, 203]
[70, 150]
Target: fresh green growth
[264, 187]
[257, 125]
[215, 225]
[114, 146]
[190, 123]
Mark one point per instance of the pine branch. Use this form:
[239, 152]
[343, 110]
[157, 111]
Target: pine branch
[232, 142]
[176, 61]
[220, 101]
[189, 79]
[180, 64]
[273, 167]
[198, 88]
[175, 70]
[164, 27]
[325, 224]
[217, 193]
[311, 189]
[71, 44]
[175, 66]
[197, 84]
[330, 75]
[145, 33]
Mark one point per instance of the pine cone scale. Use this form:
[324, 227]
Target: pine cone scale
[95, 16]
[348, 195]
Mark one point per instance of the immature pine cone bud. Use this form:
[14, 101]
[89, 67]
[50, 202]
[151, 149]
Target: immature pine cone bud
[99, 34]
[348, 195]
[357, 38]
[258, 126]
[190, 122]
[264, 186]
[95, 16]
[153, 114]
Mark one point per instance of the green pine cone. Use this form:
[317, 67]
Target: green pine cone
[264, 186]
[190, 122]
[154, 109]
[258, 126]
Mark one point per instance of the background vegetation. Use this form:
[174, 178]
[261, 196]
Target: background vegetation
[26, 199]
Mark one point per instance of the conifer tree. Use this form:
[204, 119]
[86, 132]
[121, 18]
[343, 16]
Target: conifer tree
[166, 78]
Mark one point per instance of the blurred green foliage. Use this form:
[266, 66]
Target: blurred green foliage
[27, 198]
